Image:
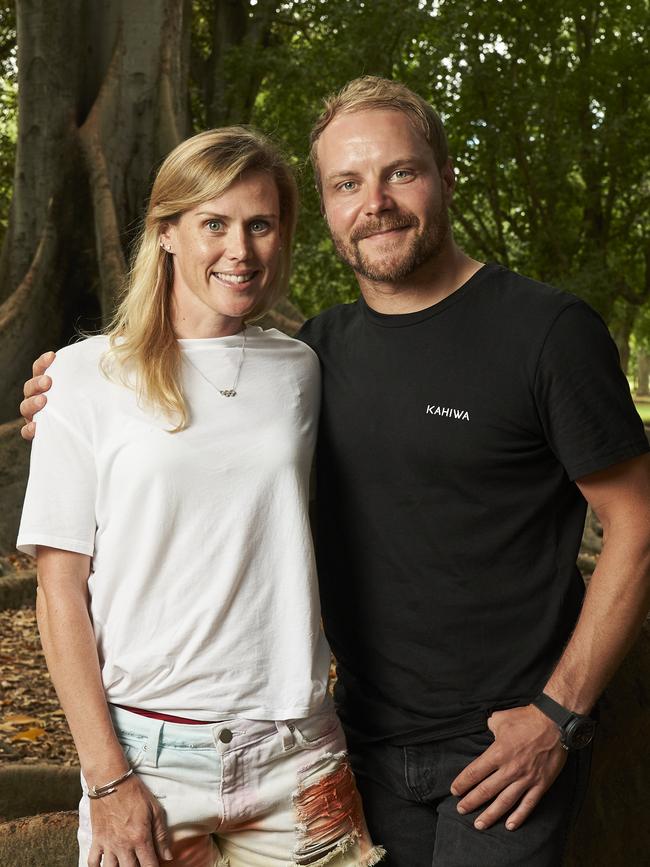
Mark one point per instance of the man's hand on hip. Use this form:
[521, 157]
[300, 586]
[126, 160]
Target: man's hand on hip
[515, 771]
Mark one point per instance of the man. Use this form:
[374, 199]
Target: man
[468, 414]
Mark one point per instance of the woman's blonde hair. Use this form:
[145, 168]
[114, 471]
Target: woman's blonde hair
[142, 340]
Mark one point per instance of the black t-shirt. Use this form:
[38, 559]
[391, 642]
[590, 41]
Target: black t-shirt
[447, 520]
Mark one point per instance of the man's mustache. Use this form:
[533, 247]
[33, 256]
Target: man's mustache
[387, 224]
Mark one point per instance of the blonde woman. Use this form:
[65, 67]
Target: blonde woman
[167, 506]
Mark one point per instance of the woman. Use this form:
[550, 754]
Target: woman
[167, 506]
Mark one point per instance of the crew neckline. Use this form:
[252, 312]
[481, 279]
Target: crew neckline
[401, 320]
[228, 340]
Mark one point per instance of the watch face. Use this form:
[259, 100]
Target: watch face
[579, 732]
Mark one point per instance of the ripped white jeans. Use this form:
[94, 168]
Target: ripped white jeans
[245, 793]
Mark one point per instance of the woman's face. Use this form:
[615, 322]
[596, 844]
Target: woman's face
[225, 254]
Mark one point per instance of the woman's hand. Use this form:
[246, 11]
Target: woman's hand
[34, 396]
[128, 828]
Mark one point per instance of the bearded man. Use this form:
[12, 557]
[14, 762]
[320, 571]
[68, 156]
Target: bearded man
[469, 415]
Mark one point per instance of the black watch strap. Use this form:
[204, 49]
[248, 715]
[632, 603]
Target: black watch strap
[554, 711]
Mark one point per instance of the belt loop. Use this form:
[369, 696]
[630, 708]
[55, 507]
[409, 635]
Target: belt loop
[152, 746]
[286, 732]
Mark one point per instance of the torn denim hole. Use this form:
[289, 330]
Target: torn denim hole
[329, 814]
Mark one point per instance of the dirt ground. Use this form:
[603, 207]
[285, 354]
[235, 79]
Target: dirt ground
[32, 725]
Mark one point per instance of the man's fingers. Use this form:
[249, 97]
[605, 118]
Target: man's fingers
[475, 772]
[485, 791]
[28, 431]
[508, 798]
[525, 808]
[31, 405]
[37, 385]
[42, 363]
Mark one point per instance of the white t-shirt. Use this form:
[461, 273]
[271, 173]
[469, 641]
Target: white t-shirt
[203, 586]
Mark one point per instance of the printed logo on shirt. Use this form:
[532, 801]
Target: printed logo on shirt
[447, 412]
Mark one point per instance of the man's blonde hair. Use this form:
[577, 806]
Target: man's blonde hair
[370, 92]
[144, 351]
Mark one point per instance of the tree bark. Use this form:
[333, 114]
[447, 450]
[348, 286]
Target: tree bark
[236, 27]
[102, 98]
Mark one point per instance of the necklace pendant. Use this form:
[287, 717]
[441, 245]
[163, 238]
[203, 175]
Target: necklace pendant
[228, 392]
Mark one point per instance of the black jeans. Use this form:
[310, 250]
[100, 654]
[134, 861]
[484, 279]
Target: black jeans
[410, 811]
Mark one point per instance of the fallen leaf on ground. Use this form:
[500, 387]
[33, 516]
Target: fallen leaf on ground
[28, 735]
[18, 719]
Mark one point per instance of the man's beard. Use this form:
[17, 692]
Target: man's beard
[406, 255]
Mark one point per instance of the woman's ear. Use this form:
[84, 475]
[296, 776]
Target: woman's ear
[166, 237]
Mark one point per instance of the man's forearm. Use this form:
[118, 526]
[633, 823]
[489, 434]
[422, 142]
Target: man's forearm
[615, 606]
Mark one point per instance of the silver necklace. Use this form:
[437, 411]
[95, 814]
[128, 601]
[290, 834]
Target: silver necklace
[225, 392]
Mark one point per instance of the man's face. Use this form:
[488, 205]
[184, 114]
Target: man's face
[384, 198]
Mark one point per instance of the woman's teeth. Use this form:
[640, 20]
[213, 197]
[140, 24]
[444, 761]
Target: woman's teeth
[235, 278]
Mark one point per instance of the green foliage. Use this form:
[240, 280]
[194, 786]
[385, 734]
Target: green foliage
[547, 106]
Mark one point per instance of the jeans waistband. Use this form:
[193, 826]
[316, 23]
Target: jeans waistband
[228, 733]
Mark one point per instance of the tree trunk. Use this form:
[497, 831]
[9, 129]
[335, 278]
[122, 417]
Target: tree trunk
[622, 334]
[240, 32]
[643, 373]
[102, 98]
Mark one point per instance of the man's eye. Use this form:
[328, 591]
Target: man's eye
[214, 225]
[348, 186]
[402, 174]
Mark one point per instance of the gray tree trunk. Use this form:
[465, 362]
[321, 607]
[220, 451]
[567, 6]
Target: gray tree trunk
[102, 97]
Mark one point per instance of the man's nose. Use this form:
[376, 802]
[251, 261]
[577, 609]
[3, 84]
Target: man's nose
[377, 199]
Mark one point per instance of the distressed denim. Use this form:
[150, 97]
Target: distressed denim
[244, 793]
[406, 798]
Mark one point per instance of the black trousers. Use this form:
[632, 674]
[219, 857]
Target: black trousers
[411, 812]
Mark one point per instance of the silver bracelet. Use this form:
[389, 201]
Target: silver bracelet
[108, 788]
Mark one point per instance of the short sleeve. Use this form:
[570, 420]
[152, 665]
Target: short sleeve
[583, 398]
[59, 507]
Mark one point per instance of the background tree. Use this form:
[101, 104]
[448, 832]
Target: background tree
[546, 106]
[102, 98]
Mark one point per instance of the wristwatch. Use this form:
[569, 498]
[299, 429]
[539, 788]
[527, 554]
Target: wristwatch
[576, 729]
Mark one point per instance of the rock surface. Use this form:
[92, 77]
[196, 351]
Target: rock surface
[40, 841]
[26, 790]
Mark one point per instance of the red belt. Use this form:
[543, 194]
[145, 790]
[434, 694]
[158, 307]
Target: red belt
[167, 717]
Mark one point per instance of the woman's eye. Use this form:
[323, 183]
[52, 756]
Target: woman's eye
[214, 225]
[259, 226]
[348, 186]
